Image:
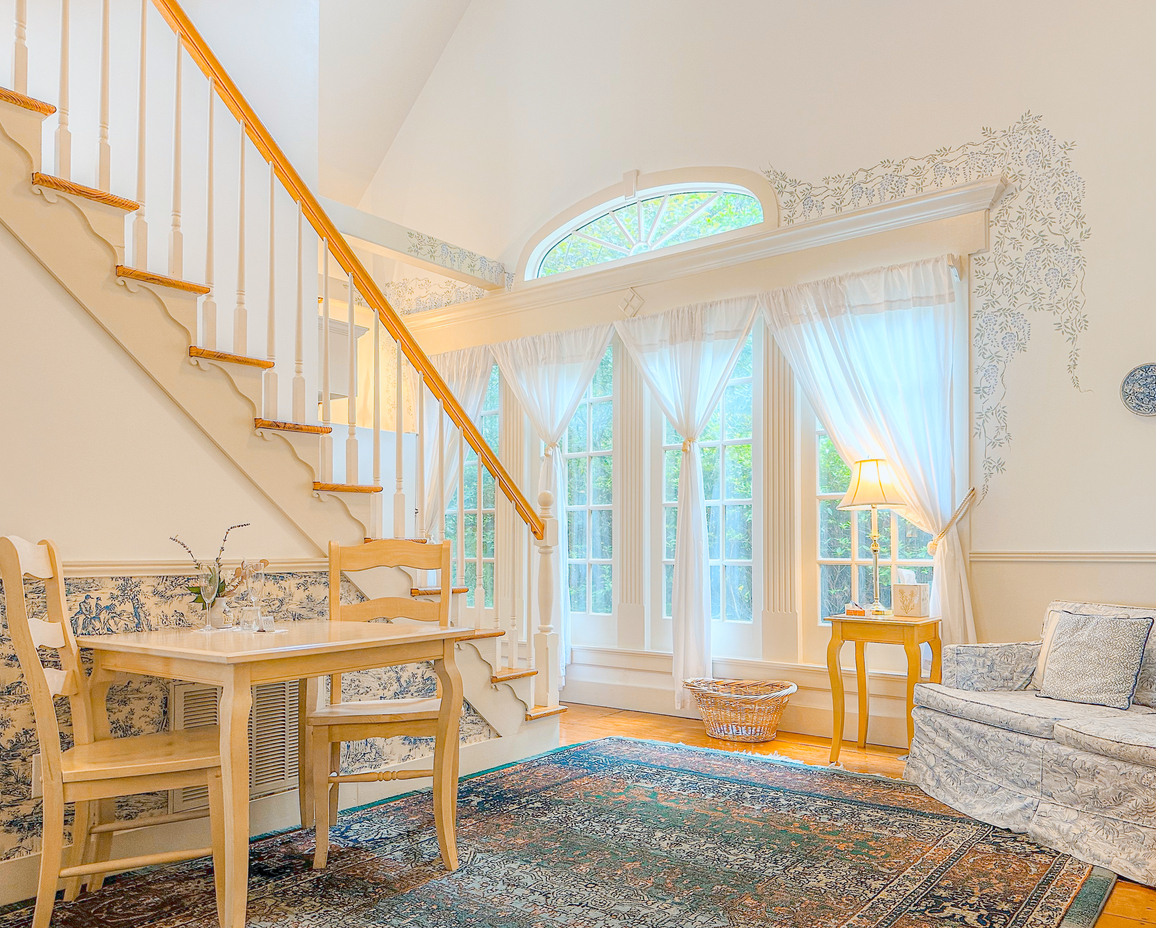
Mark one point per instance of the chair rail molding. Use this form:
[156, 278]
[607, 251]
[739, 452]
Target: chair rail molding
[178, 567]
[1063, 557]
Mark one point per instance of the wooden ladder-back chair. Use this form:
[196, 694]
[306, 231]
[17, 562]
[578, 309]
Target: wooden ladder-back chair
[330, 725]
[98, 769]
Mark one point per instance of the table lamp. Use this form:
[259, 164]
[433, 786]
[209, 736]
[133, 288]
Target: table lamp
[872, 485]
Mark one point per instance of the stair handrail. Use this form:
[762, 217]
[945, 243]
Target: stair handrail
[255, 129]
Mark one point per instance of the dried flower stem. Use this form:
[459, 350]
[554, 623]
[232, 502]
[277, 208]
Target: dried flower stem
[189, 550]
[221, 553]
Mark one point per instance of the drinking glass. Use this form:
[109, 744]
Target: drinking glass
[254, 591]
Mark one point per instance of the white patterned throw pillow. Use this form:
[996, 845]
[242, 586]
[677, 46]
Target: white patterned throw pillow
[1146, 685]
[1095, 659]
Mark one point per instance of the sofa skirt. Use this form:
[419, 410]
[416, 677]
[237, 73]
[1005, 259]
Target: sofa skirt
[1099, 810]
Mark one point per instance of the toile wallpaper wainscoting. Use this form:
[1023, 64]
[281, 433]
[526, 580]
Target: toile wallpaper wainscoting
[103, 605]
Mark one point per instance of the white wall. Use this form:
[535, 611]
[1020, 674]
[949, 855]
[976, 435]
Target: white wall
[271, 48]
[95, 456]
[533, 107]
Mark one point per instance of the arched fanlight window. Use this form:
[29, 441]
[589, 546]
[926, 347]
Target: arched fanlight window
[655, 219]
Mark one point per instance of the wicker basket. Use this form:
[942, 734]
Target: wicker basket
[741, 710]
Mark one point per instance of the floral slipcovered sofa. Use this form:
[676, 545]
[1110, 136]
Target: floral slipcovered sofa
[1075, 777]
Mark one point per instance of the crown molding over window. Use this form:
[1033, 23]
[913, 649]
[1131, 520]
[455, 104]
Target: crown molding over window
[721, 252]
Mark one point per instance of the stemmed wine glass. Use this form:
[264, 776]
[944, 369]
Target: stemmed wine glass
[254, 573]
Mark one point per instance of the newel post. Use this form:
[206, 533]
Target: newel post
[546, 638]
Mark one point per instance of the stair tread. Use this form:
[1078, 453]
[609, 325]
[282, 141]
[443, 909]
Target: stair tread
[210, 355]
[416, 541]
[149, 277]
[292, 426]
[89, 193]
[29, 103]
[505, 674]
[346, 487]
[485, 633]
[435, 590]
[541, 712]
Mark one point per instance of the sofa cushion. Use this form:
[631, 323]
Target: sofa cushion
[1024, 712]
[1145, 693]
[1131, 738]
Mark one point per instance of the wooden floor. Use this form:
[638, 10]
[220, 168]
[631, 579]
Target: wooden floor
[1130, 905]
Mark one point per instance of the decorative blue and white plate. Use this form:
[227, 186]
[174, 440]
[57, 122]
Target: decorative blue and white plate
[1138, 390]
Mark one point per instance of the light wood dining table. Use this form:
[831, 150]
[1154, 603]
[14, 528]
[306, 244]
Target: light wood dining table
[236, 661]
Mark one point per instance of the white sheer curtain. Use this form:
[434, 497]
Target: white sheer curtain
[548, 374]
[686, 355]
[875, 353]
[467, 374]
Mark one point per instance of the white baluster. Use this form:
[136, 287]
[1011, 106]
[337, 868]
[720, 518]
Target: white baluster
[20, 49]
[103, 150]
[240, 313]
[351, 403]
[271, 330]
[325, 466]
[209, 306]
[377, 517]
[461, 545]
[299, 333]
[546, 640]
[420, 529]
[398, 438]
[176, 236]
[441, 478]
[140, 226]
[63, 135]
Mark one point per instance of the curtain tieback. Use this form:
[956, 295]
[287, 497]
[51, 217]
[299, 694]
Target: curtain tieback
[956, 516]
[550, 449]
[686, 443]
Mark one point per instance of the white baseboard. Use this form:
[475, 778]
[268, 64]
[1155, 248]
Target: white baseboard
[18, 875]
[641, 681]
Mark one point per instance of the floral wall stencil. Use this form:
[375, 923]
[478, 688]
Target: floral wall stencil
[102, 605]
[418, 294]
[459, 259]
[1035, 264]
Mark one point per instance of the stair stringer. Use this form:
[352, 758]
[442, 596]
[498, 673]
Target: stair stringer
[505, 713]
[487, 648]
[156, 326]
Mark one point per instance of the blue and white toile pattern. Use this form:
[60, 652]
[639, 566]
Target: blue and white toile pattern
[990, 666]
[104, 605]
[1082, 781]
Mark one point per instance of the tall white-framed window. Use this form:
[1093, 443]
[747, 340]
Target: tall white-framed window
[843, 540]
[729, 462]
[478, 509]
[588, 449]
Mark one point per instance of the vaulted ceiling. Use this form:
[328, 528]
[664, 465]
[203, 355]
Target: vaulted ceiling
[376, 56]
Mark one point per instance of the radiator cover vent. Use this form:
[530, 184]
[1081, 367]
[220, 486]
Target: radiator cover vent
[272, 737]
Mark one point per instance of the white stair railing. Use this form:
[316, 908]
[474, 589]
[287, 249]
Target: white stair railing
[209, 229]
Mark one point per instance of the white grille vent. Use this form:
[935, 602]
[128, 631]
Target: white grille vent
[272, 737]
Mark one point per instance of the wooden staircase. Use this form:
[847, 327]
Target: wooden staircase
[168, 325]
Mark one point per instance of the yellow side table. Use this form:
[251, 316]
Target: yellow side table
[883, 629]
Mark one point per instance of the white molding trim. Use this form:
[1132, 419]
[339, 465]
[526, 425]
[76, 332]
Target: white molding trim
[1063, 557]
[696, 257]
[805, 676]
[179, 567]
[641, 681]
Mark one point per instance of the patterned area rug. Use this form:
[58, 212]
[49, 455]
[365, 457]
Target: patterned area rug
[632, 834]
